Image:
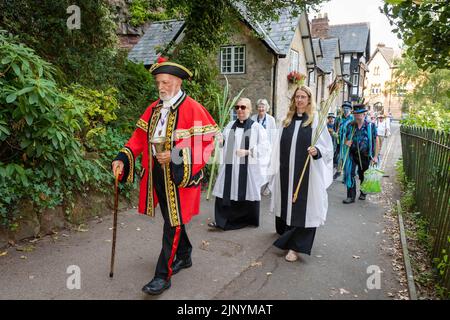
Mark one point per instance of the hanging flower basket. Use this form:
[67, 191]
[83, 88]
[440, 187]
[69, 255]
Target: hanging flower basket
[296, 77]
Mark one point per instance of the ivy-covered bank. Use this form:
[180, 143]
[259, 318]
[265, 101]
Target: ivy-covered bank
[55, 141]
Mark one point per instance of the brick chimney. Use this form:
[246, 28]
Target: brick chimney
[319, 26]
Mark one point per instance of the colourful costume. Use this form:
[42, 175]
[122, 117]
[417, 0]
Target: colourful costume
[188, 130]
[362, 151]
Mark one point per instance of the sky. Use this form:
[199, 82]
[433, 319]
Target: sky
[351, 11]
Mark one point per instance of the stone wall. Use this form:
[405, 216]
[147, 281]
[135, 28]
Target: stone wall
[37, 224]
[257, 79]
[285, 90]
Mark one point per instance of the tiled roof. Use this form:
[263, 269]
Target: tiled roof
[317, 47]
[388, 54]
[325, 51]
[352, 37]
[329, 47]
[277, 35]
[156, 37]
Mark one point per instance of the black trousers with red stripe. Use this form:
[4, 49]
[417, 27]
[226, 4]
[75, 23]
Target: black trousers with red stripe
[175, 241]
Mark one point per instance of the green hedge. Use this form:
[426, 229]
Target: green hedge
[54, 141]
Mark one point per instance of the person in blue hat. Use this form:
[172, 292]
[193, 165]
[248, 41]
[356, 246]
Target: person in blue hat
[341, 128]
[361, 138]
[331, 126]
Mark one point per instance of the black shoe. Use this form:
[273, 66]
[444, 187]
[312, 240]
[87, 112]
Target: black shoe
[181, 264]
[212, 225]
[362, 196]
[156, 286]
[336, 175]
[348, 200]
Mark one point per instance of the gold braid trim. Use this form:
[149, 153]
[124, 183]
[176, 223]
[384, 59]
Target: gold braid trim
[186, 167]
[195, 131]
[171, 192]
[142, 124]
[130, 156]
[195, 182]
[153, 121]
[168, 63]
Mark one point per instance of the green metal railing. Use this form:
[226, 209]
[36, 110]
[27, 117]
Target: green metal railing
[426, 162]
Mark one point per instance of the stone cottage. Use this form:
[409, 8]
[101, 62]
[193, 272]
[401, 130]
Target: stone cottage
[258, 57]
[378, 92]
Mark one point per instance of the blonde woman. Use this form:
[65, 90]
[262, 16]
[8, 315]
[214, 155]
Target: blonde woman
[296, 223]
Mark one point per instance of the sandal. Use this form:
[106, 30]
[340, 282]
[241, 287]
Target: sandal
[291, 256]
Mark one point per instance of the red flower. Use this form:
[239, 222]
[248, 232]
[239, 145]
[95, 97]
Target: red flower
[295, 76]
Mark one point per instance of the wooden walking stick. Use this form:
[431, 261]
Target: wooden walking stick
[348, 149]
[116, 205]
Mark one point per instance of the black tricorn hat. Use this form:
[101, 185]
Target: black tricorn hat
[175, 69]
[359, 108]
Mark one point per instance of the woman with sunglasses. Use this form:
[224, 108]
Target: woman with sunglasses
[245, 152]
[296, 222]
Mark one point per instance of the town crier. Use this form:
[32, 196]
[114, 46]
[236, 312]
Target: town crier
[175, 138]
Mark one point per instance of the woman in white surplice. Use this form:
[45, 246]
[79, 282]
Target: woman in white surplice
[296, 223]
[245, 153]
[268, 123]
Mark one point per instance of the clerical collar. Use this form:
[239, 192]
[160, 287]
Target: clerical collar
[240, 124]
[298, 116]
[172, 101]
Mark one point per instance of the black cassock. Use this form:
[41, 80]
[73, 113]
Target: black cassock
[230, 214]
[294, 236]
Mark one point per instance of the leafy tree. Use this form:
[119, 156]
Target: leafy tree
[42, 25]
[418, 86]
[142, 11]
[426, 94]
[88, 56]
[45, 131]
[423, 27]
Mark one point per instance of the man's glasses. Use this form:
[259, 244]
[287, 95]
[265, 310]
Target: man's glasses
[240, 107]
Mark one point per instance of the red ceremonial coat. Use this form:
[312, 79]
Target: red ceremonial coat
[192, 130]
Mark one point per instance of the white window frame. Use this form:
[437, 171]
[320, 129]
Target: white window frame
[347, 58]
[355, 80]
[294, 60]
[312, 77]
[233, 53]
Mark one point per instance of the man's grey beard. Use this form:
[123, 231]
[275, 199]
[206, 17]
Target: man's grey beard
[165, 98]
